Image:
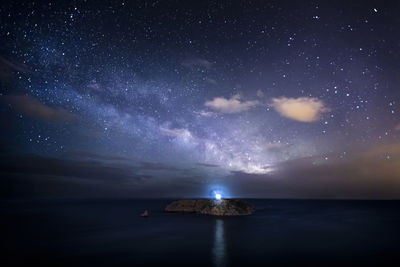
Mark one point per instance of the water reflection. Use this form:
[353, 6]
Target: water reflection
[219, 249]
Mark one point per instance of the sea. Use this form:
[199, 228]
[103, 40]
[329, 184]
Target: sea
[104, 232]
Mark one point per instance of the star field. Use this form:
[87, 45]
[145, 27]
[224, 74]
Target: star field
[210, 93]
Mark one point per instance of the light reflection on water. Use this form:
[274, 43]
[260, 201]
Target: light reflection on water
[219, 249]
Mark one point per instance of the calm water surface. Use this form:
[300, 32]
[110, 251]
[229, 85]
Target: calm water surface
[281, 232]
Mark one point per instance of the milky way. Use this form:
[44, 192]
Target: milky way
[194, 95]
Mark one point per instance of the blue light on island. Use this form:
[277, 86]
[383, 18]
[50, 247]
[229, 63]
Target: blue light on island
[218, 193]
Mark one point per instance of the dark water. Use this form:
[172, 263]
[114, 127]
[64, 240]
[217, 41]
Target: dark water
[281, 232]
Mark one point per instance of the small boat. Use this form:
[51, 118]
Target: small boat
[145, 214]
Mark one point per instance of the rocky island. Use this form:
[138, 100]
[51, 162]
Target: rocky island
[223, 207]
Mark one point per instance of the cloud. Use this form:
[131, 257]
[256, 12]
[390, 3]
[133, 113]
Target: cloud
[94, 156]
[204, 113]
[304, 109]
[10, 67]
[207, 165]
[397, 128]
[157, 166]
[30, 175]
[232, 105]
[176, 132]
[197, 62]
[30, 106]
[370, 174]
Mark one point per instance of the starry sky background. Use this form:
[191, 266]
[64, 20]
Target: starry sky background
[274, 99]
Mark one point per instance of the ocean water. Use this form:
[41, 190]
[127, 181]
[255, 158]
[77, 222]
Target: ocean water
[280, 233]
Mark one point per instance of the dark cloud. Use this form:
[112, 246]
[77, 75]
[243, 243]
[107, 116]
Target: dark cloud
[31, 107]
[31, 175]
[9, 67]
[94, 156]
[157, 167]
[49, 166]
[373, 174]
[208, 165]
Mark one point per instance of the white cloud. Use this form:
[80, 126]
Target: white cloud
[204, 113]
[232, 105]
[304, 109]
[176, 132]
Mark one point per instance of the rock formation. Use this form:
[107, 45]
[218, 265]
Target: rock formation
[145, 214]
[223, 207]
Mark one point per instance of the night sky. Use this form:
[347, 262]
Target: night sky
[274, 99]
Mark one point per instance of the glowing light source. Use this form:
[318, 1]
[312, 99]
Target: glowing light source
[218, 196]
